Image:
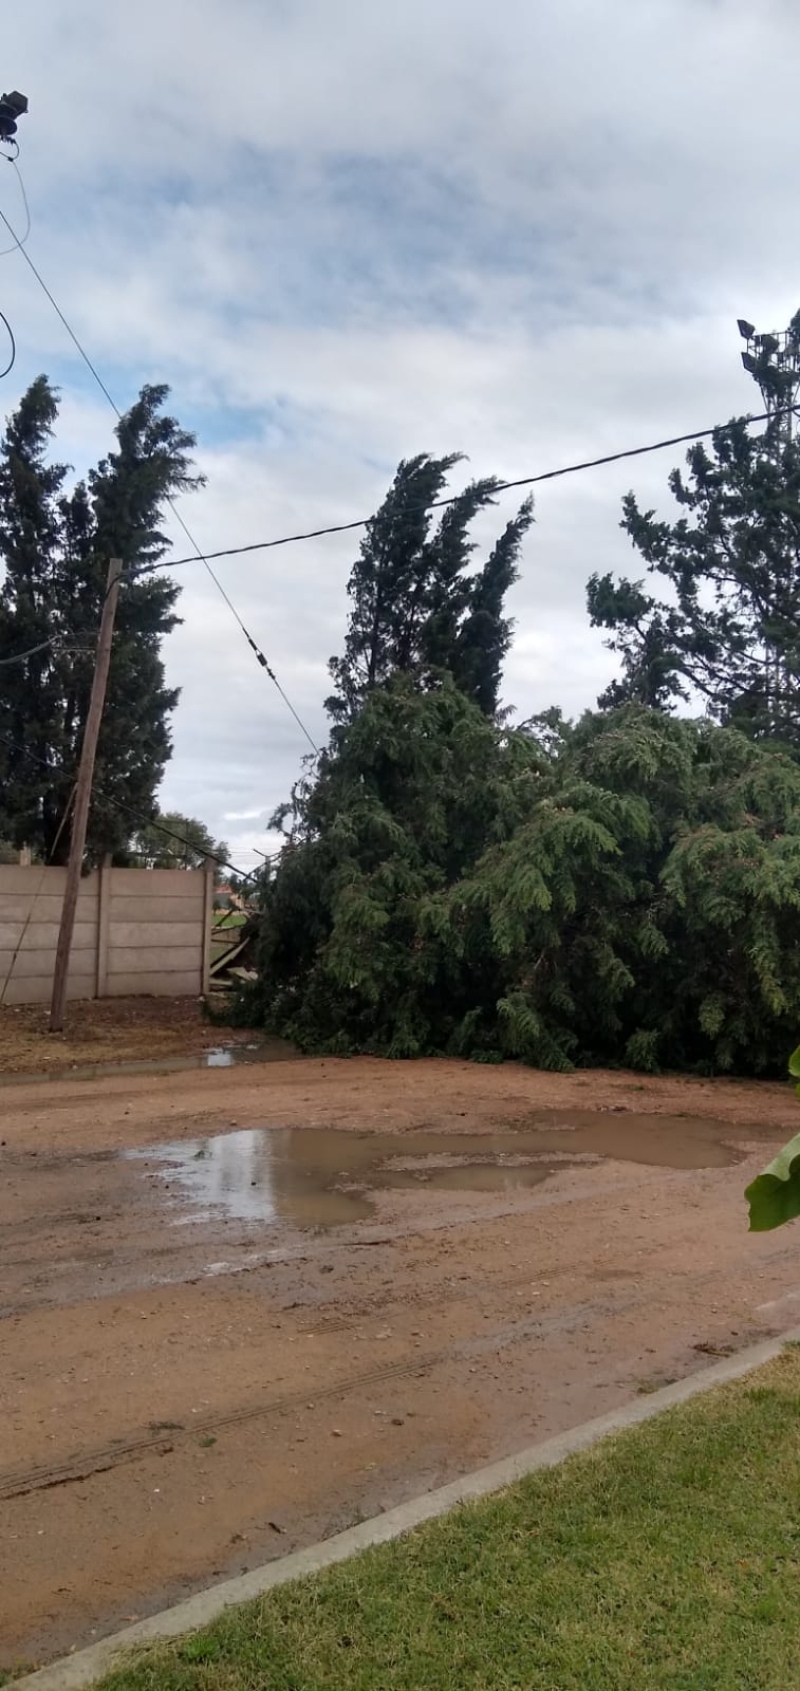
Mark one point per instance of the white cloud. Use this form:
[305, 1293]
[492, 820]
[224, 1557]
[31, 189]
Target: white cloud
[349, 233]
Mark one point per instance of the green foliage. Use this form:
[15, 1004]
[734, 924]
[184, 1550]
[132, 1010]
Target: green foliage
[725, 620]
[626, 889]
[173, 841]
[774, 1195]
[415, 605]
[55, 546]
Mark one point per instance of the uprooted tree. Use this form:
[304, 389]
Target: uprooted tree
[626, 890]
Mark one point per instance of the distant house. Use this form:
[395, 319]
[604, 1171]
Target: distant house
[226, 899]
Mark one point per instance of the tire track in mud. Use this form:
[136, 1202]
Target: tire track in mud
[85, 1465]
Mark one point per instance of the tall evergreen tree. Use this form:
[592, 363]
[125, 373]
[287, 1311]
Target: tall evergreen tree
[415, 606]
[55, 545]
[726, 624]
[173, 841]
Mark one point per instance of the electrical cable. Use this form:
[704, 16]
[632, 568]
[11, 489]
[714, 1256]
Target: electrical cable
[176, 513]
[21, 941]
[501, 487]
[59, 313]
[19, 657]
[19, 243]
[361, 522]
[259, 655]
[64, 819]
[19, 240]
[62, 646]
[12, 360]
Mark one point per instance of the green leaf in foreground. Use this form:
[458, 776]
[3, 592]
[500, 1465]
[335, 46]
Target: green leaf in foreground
[774, 1195]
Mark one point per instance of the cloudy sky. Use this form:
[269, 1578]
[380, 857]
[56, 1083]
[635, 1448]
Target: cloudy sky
[346, 232]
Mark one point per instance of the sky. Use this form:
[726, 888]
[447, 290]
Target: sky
[345, 233]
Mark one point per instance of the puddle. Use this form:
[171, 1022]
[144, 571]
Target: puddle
[317, 1177]
[235, 1056]
[217, 1057]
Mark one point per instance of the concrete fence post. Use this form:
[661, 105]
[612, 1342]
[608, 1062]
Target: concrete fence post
[103, 926]
[209, 877]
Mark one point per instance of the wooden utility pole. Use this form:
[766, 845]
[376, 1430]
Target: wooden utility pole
[83, 796]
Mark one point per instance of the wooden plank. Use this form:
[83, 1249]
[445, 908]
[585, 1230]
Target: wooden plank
[154, 959]
[224, 959]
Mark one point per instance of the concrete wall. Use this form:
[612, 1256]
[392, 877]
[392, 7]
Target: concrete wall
[137, 932]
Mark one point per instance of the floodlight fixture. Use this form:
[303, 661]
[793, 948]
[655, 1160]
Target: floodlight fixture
[746, 330]
[12, 107]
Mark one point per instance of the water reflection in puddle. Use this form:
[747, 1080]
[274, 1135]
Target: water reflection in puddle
[215, 1057]
[318, 1177]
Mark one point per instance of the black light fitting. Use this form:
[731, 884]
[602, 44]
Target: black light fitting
[12, 107]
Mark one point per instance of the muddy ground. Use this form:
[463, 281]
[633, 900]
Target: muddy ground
[216, 1352]
[109, 1030]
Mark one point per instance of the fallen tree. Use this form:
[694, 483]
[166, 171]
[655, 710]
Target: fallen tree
[626, 890]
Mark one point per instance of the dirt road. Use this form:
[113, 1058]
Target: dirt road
[233, 1341]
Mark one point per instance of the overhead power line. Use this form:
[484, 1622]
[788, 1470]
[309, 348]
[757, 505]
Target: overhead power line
[451, 499]
[259, 655]
[57, 309]
[20, 657]
[12, 354]
[19, 240]
[61, 646]
[198, 555]
[205, 558]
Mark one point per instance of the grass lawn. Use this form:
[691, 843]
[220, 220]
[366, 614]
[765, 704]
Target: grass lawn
[667, 1559]
[223, 931]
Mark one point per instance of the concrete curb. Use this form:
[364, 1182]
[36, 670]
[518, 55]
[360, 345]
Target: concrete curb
[84, 1667]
